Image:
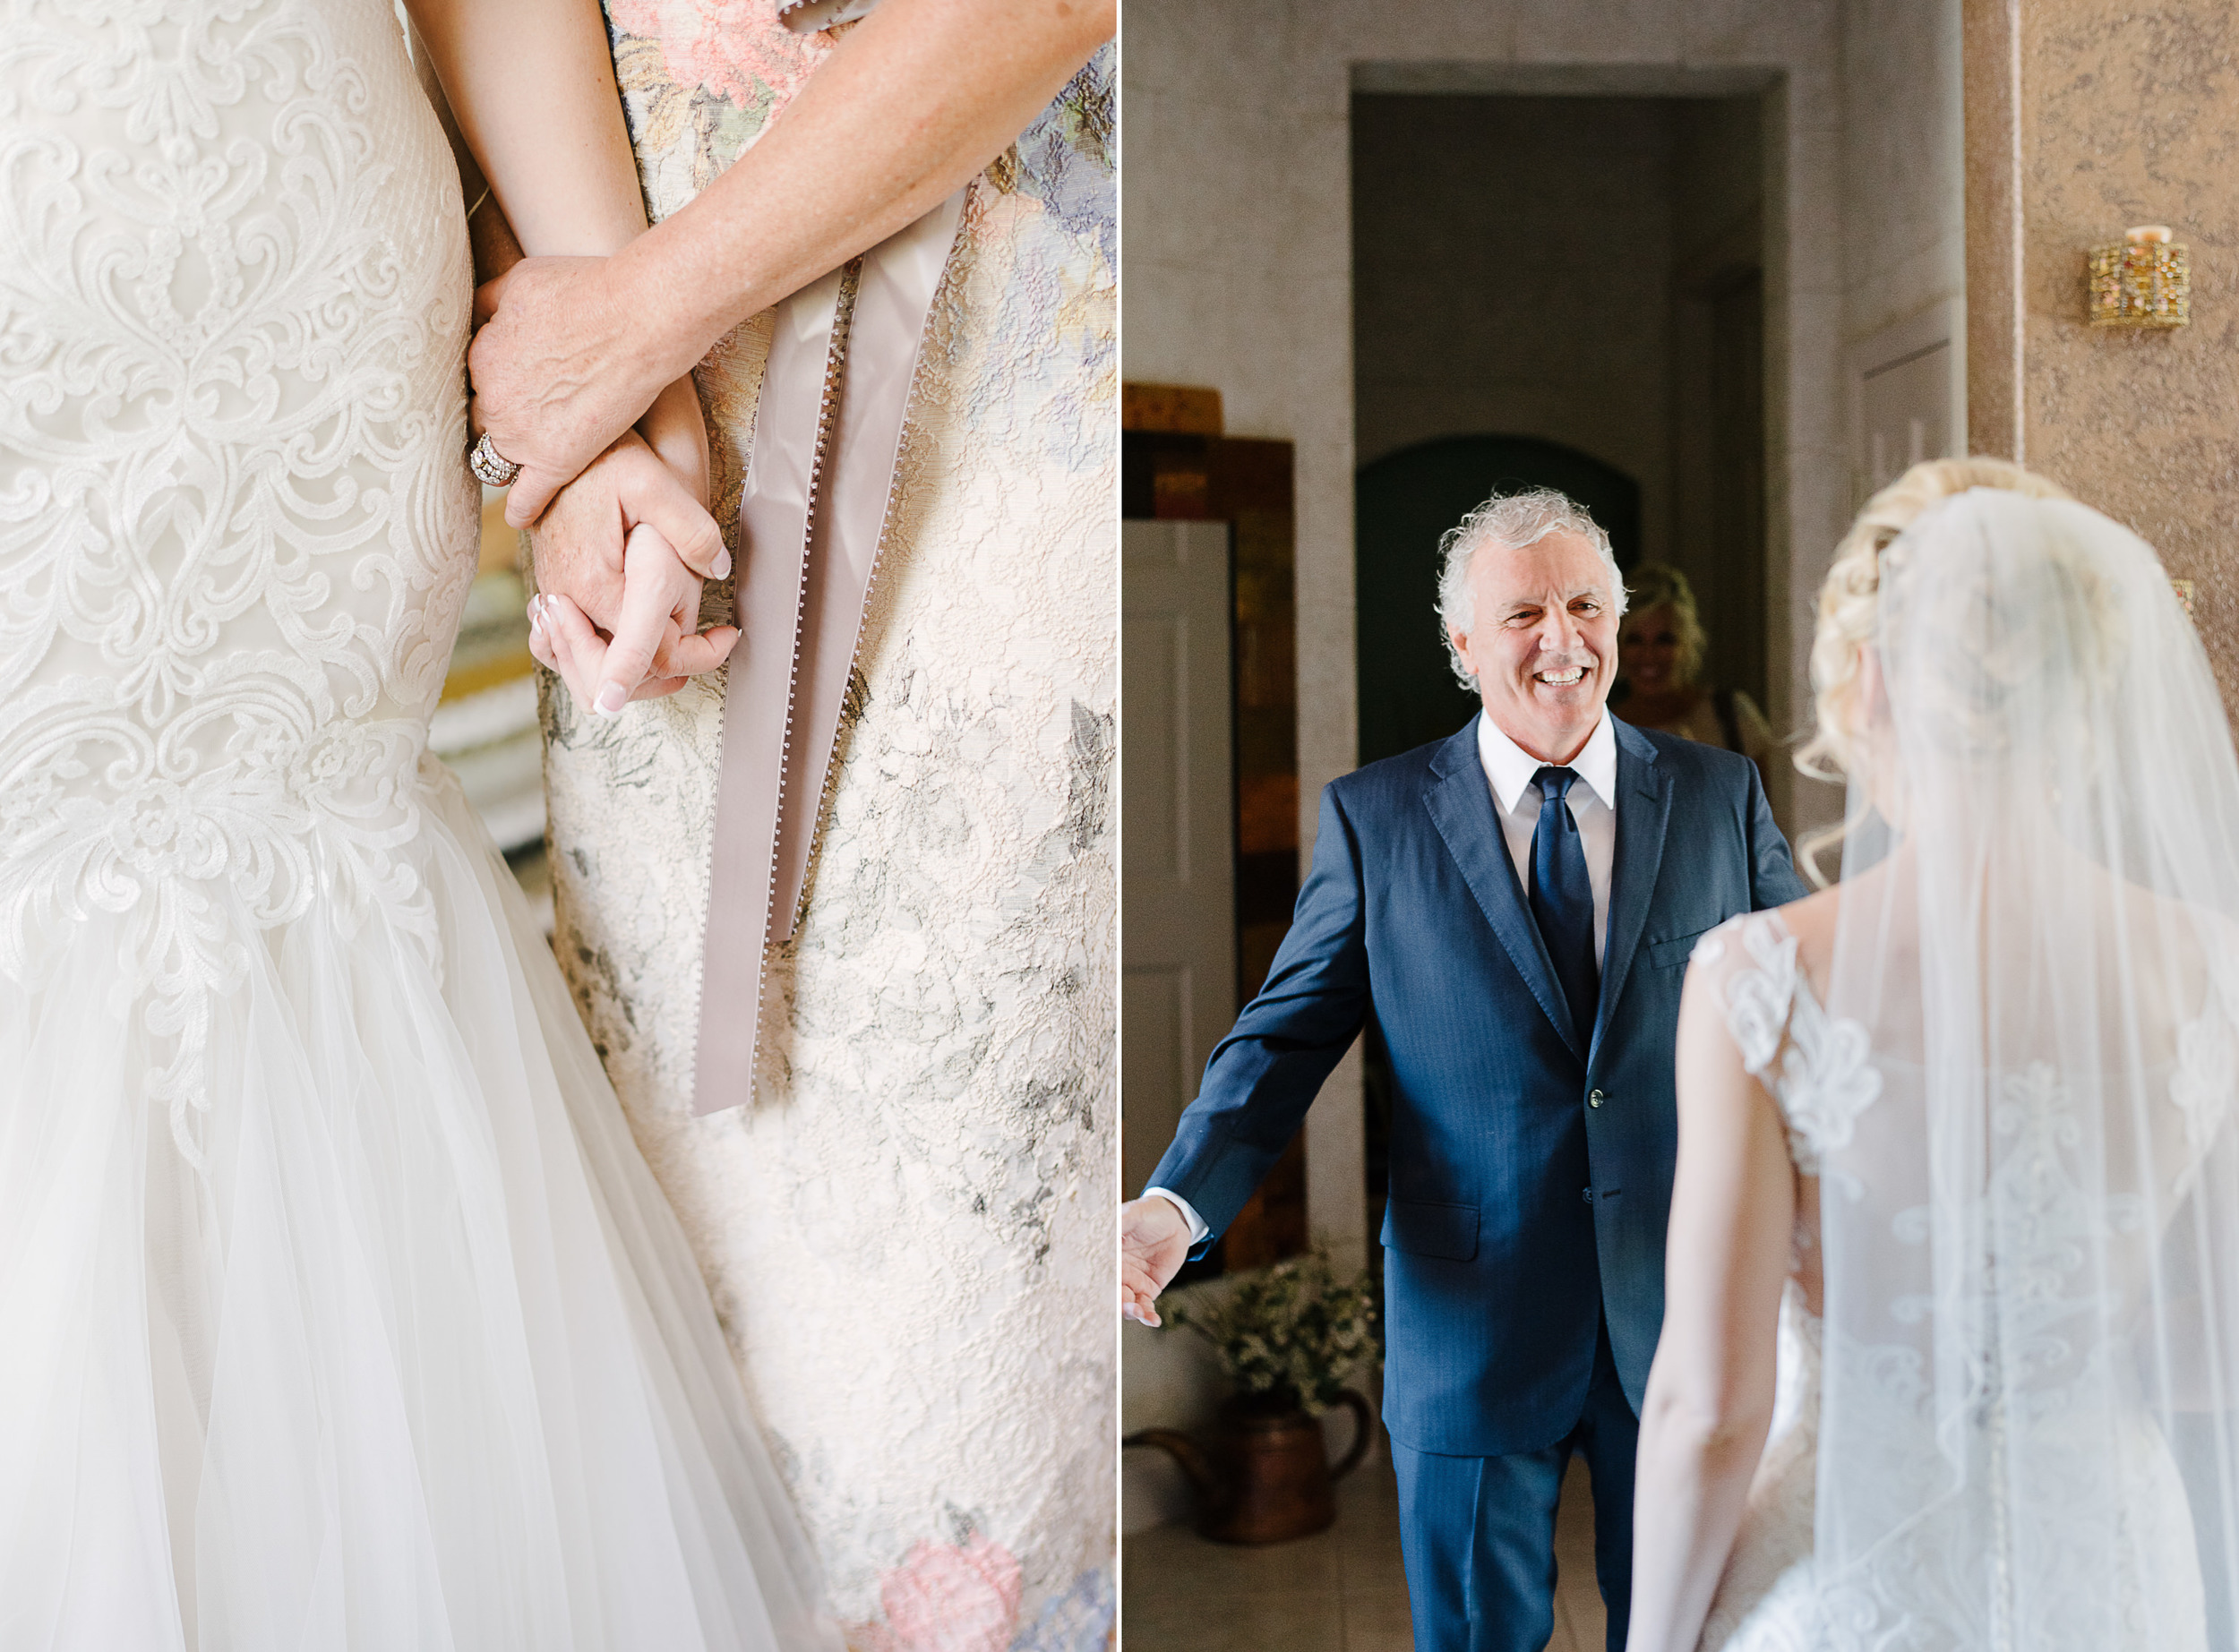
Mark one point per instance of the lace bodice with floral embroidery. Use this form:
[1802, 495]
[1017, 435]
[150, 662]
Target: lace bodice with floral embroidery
[1942, 1574]
[236, 529]
[1815, 1066]
[1819, 1069]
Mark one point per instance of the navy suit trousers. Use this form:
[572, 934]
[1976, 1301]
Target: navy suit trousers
[1478, 1533]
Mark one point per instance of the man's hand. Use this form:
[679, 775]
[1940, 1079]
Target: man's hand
[559, 372]
[1154, 1243]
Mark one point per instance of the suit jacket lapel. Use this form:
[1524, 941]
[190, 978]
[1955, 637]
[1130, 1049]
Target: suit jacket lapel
[1643, 809]
[1461, 803]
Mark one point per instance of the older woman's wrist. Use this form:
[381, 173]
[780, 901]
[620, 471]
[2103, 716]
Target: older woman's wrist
[670, 334]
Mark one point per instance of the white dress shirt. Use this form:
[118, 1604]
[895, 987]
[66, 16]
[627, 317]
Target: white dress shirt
[1509, 770]
[1593, 799]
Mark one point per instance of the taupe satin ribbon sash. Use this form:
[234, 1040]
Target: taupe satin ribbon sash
[819, 483]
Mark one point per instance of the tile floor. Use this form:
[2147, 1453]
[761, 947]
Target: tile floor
[1340, 1591]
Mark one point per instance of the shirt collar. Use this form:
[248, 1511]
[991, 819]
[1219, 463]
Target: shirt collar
[1510, 767]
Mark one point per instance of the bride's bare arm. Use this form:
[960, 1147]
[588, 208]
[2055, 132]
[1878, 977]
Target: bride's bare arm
[530, 88]
[910, 105]
[1710, 1392]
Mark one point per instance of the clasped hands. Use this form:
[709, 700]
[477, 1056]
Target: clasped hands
[613, 486]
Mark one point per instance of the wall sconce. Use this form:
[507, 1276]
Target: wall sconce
[2143, 280]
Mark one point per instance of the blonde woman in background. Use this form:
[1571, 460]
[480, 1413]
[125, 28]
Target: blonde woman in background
[1659, 652]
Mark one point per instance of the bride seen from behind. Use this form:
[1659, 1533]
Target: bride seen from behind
[1953, 1134]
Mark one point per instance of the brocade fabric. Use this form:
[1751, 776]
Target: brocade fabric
[908, 1232]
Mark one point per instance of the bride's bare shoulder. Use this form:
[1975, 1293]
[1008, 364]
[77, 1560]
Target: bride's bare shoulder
[1811, 921]
[1750, 942]
[2179, 946]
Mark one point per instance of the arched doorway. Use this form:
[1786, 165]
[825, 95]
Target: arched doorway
[1401, 503]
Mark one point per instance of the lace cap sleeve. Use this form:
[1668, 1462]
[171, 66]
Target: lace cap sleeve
[1813, 1065]
[2207, 1073]
[1752, 960]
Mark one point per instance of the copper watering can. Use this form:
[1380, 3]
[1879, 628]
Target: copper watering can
[1263, 1478]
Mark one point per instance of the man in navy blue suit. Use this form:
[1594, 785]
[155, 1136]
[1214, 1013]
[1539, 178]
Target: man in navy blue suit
[1514, 906]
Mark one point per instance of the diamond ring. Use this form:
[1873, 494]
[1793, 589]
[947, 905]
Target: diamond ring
[495, 470]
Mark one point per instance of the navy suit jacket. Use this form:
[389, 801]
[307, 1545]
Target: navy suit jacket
[1531, 1159]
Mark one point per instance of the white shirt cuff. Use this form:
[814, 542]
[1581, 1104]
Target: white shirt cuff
[1198, 1229]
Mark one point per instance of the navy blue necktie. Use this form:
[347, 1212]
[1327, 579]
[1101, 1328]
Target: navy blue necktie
[1563, 898]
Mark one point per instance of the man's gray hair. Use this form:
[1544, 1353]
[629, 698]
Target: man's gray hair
[1514, 520]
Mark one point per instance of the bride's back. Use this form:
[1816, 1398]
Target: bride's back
[2022, 1226]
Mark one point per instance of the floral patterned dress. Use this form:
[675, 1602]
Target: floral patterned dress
[907, 1234]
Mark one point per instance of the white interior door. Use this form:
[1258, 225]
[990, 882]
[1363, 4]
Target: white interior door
[1178, 832]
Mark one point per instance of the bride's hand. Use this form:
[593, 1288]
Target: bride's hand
[630, 602]
[559, 369]
[650, 648]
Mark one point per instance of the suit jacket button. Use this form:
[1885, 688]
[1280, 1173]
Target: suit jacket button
[1596, 1098]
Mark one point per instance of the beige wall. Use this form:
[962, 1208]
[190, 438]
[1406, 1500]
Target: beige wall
[1904, 226]
[1903, 167]
[2120, 119]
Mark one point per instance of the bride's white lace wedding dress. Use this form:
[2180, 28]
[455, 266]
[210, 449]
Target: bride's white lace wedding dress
[2097, 1528]
[336, 1308]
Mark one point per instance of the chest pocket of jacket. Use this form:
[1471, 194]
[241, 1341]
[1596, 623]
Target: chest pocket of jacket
[1418, 1229]
[1674, 953]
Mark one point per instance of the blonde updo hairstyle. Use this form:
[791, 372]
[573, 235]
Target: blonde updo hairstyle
[1850, 607]
[1659, 585]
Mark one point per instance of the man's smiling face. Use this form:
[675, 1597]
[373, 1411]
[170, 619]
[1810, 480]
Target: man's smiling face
[1542, 640]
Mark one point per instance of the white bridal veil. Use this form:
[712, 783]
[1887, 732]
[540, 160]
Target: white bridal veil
[2029, 1206]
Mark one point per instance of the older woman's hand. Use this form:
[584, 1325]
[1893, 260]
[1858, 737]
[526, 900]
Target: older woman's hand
[560, 367]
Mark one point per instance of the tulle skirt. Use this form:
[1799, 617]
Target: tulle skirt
[417, 1359]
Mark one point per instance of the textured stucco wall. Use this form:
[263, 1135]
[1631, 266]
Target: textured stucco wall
[2122, 117]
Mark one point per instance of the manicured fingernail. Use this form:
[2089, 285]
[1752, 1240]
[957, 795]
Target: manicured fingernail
[612, 698]
[722, 565]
